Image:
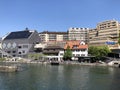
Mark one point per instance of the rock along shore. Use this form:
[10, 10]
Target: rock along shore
[4, 68]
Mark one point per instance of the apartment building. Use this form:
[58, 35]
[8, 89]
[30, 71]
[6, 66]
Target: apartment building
[20, 43]
[78, 34]
[47, 36]
[106, 33]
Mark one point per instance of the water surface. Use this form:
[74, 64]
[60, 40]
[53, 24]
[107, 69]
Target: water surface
[62, 77]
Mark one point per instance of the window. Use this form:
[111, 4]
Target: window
[74, 46]
[14, 51]
[73, 55]
[14, 55]
[113, 25]
[90, 37]
[61, 54]
[82, 54]
[77, 54]
[97, 33]
[82, 50]
[19, 46]
[37, 42]
[19, 52]
[25, 46]
[23, 51]
[4, 55]
[77, 50]
[8, 51]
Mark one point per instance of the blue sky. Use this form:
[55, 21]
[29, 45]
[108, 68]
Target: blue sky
[55, 15]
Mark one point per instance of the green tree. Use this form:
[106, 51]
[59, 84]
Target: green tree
[2, 59]
[119, 41]
[35, 56]
[99, 52]
[67, 54]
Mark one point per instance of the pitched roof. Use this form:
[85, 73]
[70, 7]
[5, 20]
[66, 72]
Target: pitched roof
[75, 45]
[18, 35]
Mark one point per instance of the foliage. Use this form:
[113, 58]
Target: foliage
[98, 52]
[67, 54]
[35, 56]
[119, 41]
[2, 59]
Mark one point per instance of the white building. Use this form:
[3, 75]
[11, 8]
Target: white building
[53, 53]
[78, 34]
[78, 48]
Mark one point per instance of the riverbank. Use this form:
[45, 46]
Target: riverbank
[29, 61]
[60, 63]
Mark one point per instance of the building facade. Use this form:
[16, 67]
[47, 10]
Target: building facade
[78, 34]
[53, 36]
[79, 48]
[106, 33]
[53, 53]
[20, 43]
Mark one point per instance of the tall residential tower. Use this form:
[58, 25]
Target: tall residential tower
[106, 33]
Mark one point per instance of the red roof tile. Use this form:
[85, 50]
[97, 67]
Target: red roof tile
[75, 45]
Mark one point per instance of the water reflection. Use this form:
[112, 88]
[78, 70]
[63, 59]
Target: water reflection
[63, 77]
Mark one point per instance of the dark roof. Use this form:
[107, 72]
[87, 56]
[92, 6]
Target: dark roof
[47, 32]
[51, 52]
[53, 47]
[19, 35]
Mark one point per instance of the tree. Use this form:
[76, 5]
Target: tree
[35, 56]
[67, 54]
[99, 52]
[119, 41]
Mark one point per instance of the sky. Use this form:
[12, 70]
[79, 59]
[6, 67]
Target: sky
[55, 15]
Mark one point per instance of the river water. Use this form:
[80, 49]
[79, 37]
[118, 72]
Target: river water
[62, 77]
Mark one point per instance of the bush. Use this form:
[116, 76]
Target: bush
[2, 59]
[99, 51]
